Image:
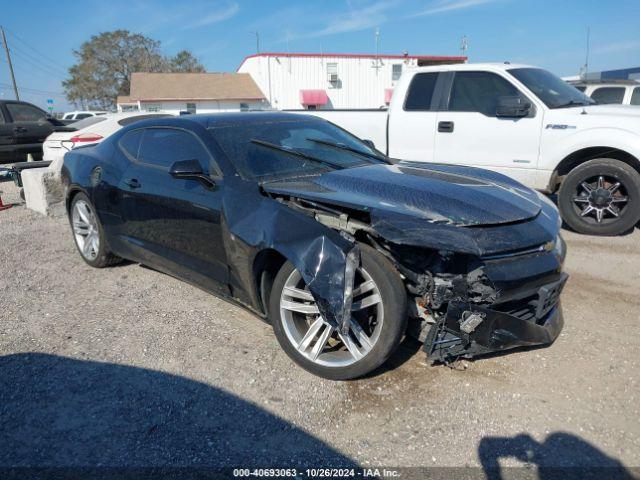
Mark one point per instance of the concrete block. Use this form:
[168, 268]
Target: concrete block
[43, 191]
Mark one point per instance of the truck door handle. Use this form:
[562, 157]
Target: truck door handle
[445, 127]
[133, 183]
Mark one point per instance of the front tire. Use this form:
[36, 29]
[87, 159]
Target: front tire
[379, 320]
[601, 197]
[88, 233]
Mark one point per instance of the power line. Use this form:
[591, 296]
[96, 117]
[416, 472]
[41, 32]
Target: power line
[34, 64]
[33, 90]
[35, 61]
[54, 64]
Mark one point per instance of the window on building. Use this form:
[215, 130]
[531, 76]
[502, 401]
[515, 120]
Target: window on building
[21, 112]
[635, 96]
[332, 73]
[129, 108]
[244, 107]
[191, 107]
[479, 92]
[163, 147]
[605, 95]
[152, 107]
[421, 91]
[396, 72]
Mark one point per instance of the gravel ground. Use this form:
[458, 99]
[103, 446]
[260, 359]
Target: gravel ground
[126, 366]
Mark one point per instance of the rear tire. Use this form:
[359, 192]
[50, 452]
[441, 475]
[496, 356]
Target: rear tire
[88, 233]
[601, 197]
[336, 361]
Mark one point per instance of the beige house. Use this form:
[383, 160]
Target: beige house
[191, 92]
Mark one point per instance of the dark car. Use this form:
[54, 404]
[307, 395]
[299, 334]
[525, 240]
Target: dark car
[343, 250]
[23, 129]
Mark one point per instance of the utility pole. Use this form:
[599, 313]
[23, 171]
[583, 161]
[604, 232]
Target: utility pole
[464, 45]
[586, 60]
[13, 77]
[257, 34]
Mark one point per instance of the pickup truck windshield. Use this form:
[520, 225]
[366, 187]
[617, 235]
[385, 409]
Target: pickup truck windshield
[286, 149]
[552, 90]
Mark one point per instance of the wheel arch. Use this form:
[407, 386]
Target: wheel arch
[71, 194]
[266, 265]
[583, 155]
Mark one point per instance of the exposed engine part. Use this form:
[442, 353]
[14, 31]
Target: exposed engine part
[470, 321]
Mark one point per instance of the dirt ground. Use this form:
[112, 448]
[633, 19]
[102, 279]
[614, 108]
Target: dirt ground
[126, 366]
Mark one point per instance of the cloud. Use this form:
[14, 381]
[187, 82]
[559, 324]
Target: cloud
[219, 15]
[618, 47]
[449, 5]
[359, 16]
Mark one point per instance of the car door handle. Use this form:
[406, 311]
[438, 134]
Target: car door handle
[19, 129]
[445, 127]
[133, 183]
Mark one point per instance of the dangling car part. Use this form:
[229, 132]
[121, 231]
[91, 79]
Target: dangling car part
[343, 250]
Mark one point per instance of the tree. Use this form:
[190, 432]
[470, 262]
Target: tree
[106, 61]
[184, 61]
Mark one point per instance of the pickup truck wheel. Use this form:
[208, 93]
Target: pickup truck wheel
[601, 197]
[378, 322]
[88, 233]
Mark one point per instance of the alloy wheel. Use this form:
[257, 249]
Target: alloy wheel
[85, 230]
[318, 341]
[601, 198]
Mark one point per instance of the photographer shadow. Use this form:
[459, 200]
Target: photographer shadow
[562, 456]
[58, 412]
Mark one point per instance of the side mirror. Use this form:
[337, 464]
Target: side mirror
[512, 107]
[191, 169]
[369, 143]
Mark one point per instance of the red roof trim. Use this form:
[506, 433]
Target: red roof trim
[441, 58]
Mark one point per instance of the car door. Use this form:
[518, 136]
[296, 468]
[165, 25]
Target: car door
[6, 139]
[470, 133]
[30, 124]
[174, 224]
[412, 129]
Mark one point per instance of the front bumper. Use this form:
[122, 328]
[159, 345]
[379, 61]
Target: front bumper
[468, 330]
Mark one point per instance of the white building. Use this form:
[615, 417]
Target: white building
[331, 80]
[192, 92]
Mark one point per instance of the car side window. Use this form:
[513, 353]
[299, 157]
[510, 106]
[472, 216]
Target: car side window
[608, 95]
[162, 147]
[1, 117]
[129, 143]
[420, 92]
[635, 96]
[80, 116]
[25, 113]
[479, 92]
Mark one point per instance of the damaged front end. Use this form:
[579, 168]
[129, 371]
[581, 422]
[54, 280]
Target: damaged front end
[472, 301]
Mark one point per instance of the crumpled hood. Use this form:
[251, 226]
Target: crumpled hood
[435, 193]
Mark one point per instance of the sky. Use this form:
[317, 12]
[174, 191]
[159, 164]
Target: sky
[551, 34]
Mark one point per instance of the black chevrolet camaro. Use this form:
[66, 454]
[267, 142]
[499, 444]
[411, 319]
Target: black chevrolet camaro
[341, 249]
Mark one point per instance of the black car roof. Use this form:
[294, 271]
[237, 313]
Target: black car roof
[211, 120]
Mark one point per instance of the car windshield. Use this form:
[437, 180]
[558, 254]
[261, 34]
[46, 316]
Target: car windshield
[267, 151]
[552, 90]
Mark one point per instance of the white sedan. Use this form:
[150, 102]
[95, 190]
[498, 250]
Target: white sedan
[90, 130]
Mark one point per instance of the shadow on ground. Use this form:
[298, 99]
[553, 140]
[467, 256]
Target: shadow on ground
[56, 411]
[561, 456]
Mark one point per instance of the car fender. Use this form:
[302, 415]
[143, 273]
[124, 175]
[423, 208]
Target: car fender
[556, 148]
[323, 256]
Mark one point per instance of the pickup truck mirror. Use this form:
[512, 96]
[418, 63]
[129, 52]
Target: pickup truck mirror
[191, 169]
[369, 143]
[512, 106]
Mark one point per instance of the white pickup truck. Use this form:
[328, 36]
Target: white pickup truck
[523, 122]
